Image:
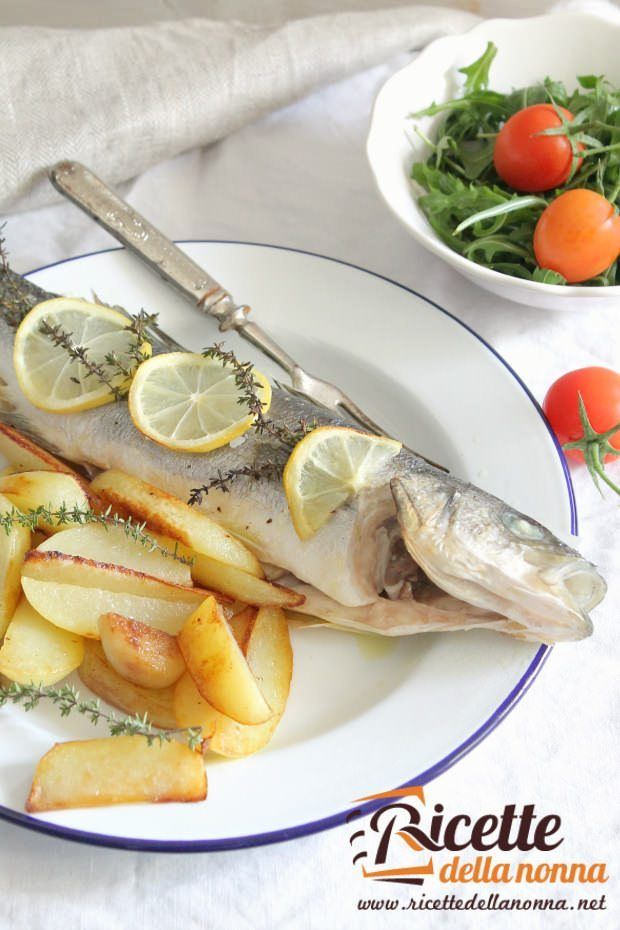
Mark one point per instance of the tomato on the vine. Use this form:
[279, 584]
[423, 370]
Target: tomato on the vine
[599, 389]
[578, 235]
[529, 161]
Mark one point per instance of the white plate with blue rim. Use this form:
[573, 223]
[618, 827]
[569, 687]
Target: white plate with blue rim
[360, 719]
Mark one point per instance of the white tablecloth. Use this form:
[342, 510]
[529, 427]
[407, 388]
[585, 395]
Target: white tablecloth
[299, 178]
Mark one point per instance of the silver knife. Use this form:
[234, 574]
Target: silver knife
[76, 182]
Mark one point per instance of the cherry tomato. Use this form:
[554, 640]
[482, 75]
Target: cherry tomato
[578, 235]
[600, 390]
[528, 161]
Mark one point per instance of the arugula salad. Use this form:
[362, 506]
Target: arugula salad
[527, 182]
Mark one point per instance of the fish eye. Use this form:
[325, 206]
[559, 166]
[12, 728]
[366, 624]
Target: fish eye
[522, 528]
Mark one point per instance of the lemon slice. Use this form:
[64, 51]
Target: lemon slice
[191, 403]
[329, 466]
[46, 373]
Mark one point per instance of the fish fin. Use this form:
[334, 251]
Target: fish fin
[408, 516]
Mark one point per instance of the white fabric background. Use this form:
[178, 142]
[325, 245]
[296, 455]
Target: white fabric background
[299, 178]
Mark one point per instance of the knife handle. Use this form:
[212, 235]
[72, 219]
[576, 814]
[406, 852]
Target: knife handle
[87, 191]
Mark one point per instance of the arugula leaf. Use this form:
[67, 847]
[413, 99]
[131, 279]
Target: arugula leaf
[484, 98]
[590, 81]
[546, 276]
[476, 155]
[545, 92]
[477, 74]
[500, 210]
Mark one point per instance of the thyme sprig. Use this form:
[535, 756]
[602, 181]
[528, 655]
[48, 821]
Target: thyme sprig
[18, 296]
[248, 395]
[248, 388]
[67, 699]
[4, 255]
[63, 339]
[80, 516]
[222, 480]
[114, 372]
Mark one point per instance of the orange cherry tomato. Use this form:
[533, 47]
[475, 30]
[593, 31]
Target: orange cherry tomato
[600, 391]
[528, 161]
[577, 235]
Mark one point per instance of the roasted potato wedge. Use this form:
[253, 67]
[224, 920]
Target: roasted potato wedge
[116, 770]
[25, 455]
[98, 675]
[113, 546]
[140, 653]
[269, 654]
[31, 489]
[270, 658]
[174, 518]
[13, 548]
[227, 737]
[36, 650]
[73, 593]
[242, 586]
[219, 668]
[241, 624]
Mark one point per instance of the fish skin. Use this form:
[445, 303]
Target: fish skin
[485, 564]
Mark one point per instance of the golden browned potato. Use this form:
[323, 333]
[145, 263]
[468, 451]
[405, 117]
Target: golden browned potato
[73, 593]
[36, 650]
[139, 653]
[25, 455]
[224, 736]
[98, 675]
[241, 624]
[270, 658]
[235, 583]
[31, 489]
[113, 546]
[175, 518]
[13, 548]
[219, 668]
[116, 770]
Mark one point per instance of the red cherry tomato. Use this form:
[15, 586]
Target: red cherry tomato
[578, 235]
[528, 161]
[600, 390]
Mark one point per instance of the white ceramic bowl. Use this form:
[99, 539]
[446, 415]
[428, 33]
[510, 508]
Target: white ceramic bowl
[561, 46]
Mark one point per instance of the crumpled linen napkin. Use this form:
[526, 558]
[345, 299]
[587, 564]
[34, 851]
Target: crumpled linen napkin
[123, 99]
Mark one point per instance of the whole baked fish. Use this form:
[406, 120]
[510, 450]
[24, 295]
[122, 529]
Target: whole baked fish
[418, 550]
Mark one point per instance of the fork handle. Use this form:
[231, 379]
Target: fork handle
[94, 197]
[76, 182]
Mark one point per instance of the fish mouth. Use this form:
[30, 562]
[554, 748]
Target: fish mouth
[542, 589]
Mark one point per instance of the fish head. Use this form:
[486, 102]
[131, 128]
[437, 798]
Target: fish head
[479, 549]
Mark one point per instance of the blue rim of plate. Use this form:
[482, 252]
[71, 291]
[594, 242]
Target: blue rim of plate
[347, 816]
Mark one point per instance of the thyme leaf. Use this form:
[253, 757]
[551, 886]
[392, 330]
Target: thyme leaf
[248, 395]
[223, 480]
[4, 255]
[114, 372]
[67, 699]
[18, 297]
[80, 516]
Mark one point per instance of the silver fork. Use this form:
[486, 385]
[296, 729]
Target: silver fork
[87, 191]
